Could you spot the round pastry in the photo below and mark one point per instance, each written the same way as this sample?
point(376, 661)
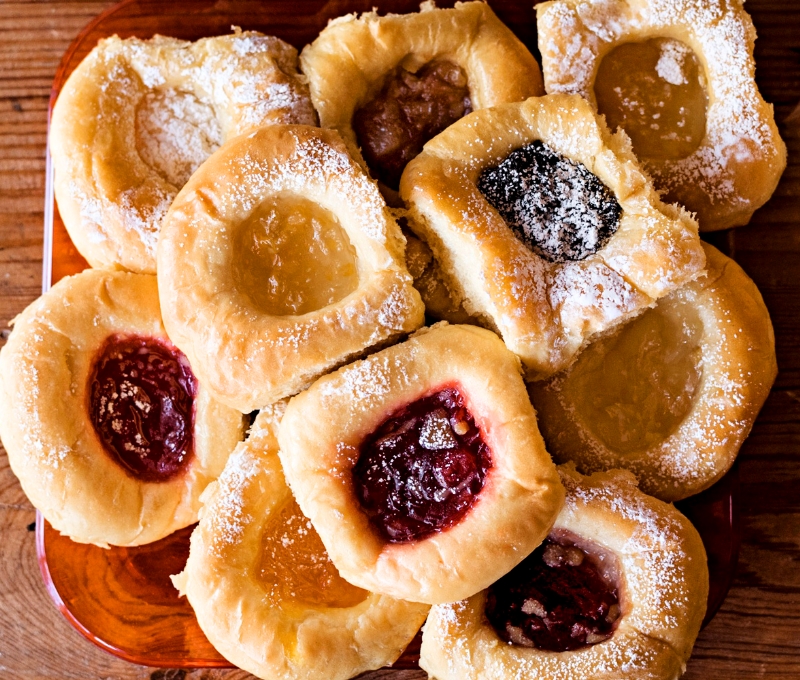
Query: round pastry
point(278, 261)
point(106, 427)
point(672, 395)
point(545, 227)
point(389, 83)
point(421, 467)
point(265, 592)
point(679, 77)
point(617, 592)
point(137, 117)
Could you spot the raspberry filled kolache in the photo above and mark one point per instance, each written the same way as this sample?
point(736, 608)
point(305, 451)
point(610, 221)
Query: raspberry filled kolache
point(389, 83)
point(422, 467)
point(673, 394)
point(279, 261)
point(617, 591)
point(545, 227)
point(110, 433)
point(137, 117)
point(679, 77)
point(263, 588)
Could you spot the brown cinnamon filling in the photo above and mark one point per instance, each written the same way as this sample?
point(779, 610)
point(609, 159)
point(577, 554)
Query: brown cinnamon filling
point(562, 597)
point(421, 471)
point(411, 109)
point(141, 404)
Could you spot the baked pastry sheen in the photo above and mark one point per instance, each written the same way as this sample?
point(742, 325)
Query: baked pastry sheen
point(673, 395)
point(323, 437)
point(49, 427)
point(265, 592)
point(663, 584)
point(137, 117)
point(241, 212)
point(546, 311)
point(739, 157)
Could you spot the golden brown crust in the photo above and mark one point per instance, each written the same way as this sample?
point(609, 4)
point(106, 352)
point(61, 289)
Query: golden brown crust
point(323, 431)
point(291, 640)
point(246, 357)
point(546, 312)
point(51, 442)
point(737, 368)
point(663, 596)
point(347, 64)
point(138, 116)
point(740, 160)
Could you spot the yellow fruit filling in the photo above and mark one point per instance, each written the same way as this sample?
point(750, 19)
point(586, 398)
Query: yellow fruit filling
point(655, 91)
point(293, 257)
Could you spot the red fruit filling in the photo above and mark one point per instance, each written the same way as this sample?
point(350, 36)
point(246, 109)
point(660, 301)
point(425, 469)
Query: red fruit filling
point(141, 397)
point(555, 600)
point(422, 469)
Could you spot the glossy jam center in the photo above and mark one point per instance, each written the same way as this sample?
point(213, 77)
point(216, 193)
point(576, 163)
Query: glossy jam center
point(557, 600)
point(294, 566)
point(423, 468)
point(634, 389)
point(411, 109)
point(554, 205)
point(293, 257)
point(175, 133)
point(141, 404)
point(654, 90)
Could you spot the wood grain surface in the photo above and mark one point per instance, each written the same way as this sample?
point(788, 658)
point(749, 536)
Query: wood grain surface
point(755, 633)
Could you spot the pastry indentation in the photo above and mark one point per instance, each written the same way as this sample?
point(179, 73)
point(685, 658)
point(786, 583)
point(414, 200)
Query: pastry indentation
point(410, 109)
point(422, 470)
point(655, 91)
point(293, 257)
point(294, 566)
point(633, 390)
point(141, 405)
point(559, 599)
point(554, 205)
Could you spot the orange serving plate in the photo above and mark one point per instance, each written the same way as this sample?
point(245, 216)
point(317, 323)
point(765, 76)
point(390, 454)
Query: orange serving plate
point(121, 598)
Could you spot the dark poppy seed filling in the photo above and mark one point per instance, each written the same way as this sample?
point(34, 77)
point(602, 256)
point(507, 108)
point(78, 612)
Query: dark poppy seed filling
point(555, 600)
point(410, 109)
point(141, 403)
point(555, 206)
point(422, 469)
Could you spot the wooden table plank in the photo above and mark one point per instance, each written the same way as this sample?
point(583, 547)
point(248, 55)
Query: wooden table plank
point(753, 636)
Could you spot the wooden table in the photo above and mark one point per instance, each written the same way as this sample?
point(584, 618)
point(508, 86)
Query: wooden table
point(755, 635)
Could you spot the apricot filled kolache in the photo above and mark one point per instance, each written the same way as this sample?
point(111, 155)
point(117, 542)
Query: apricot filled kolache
point(679, 77)
point(110, 433)
point(137, 117)
point(390, 83)
point(263, 588)
point(672, 395)
point(617, 591)
point(545, 227)
point(279, 261)
point(421, 467)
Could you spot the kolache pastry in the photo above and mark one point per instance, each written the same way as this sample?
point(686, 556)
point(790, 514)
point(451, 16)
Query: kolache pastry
point(617, 591)
point(672, 395)
point(678, 76)
point(137, 117)
point(279, 261)
point(263, 588)
point(544, 226)
point(421, 467)
point(106, 426)
point(389, 83)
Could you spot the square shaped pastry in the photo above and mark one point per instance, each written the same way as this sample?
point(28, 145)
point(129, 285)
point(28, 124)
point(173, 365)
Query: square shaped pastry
point(545, 226)
point(421, 467)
